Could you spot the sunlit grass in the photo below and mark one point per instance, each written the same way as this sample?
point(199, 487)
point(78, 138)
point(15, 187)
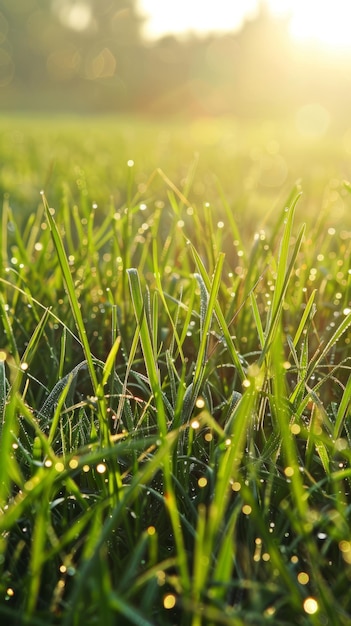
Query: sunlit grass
point(174, 385)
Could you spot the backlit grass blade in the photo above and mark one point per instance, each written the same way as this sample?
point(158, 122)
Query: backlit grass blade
point(220, 317)
point(343, 410)
point(33, 343)
point(71, 292)
point(147, 347)
point(110, 362)
point(281, 286)
point(283, 256)
point(7, 425)
point(257, 319)
point(208, 302)
point(308, 313)
point(3, 389)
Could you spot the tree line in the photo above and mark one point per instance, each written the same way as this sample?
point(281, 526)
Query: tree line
point(90, 56)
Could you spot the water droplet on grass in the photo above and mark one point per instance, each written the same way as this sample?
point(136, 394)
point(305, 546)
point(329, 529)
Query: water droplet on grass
point(303, 578)
point(169, 601)
point(310, 606)
point(71, 570)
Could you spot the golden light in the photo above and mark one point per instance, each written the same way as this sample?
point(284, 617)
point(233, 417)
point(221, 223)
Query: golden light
point(196, 16)
point(325, 23)
point(322, 23)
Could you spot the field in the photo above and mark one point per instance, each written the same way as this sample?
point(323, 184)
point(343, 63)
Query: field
point(174, 373)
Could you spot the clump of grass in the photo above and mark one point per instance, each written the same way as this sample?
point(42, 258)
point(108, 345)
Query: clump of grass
point(174, 408)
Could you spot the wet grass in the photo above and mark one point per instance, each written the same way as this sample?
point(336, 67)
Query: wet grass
point(174, 377)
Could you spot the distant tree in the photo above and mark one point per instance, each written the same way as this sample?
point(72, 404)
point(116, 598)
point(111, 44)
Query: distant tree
point(88, 48)
point(89, 54)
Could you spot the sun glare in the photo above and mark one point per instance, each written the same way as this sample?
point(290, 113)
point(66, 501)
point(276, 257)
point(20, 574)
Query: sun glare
point(194, 16)
point(312, 21)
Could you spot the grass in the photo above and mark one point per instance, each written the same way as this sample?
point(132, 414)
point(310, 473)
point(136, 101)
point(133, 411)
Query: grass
point(174, 378)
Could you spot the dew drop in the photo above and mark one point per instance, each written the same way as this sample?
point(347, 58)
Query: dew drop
point(169, 601)
point(322, 536)
point(310, 606)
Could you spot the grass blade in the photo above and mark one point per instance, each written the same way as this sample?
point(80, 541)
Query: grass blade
point(147, 348)
point(71, 292)
point(343, 410)
point(220, 317)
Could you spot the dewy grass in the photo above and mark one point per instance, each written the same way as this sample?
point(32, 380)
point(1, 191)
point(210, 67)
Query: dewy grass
point(174, 395)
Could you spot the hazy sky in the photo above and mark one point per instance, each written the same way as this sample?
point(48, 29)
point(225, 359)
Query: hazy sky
point(327, 22)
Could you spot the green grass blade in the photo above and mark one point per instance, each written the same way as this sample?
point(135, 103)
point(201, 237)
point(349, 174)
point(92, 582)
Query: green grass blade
point(283, 278)
point(257, 319)
point(110, 362)
point(208, 301)
point(343, 410)
point(71, 292)
point(163, 298)
point(307, 314)
point(3, 389)
point(147, 348)
point(220, 317)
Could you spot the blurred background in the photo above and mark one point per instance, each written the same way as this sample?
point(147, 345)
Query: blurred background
point(156, 58)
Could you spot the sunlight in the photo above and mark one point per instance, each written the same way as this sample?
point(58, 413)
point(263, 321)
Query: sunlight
point(310, 20)
point(194, 16)
point(316, 22)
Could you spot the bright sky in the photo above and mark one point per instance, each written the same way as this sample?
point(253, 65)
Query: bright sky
point(323, 22)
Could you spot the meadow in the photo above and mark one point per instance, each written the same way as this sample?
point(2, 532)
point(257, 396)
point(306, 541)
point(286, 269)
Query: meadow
point(174, 373)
